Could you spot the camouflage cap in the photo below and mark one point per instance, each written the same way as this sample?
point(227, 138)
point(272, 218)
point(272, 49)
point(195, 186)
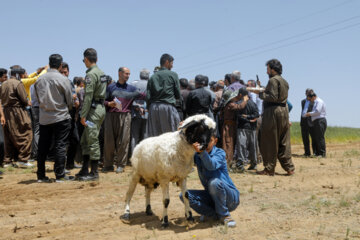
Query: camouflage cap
point(228, 95)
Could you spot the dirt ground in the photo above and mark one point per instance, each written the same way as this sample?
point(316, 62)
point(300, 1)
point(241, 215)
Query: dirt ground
point(321, 201)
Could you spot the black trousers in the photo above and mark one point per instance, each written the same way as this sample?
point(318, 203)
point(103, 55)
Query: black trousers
point(60, 132)
point(73, 141)
point(305, 134)
point(35, 127)
point(319, 130)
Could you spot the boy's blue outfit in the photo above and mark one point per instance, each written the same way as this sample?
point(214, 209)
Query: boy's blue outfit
point(220, 196)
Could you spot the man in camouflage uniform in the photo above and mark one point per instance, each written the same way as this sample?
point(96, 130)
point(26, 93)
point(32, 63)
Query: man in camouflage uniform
point(275, 128)
point(92, 115)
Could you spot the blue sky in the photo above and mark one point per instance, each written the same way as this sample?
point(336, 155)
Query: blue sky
point(316, 41)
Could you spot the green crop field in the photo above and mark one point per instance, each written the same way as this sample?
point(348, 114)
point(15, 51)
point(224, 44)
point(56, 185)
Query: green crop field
point(332, 135)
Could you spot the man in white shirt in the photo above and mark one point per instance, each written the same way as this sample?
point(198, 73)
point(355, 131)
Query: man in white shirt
point(318, 118)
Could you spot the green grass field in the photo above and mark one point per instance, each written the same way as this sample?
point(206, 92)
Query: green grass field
point(332, 135)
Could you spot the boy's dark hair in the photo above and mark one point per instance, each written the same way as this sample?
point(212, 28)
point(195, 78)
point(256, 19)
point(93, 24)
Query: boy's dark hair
point(166, 57)
point(55, 61)
point(65, 65)
point(184, 82)
point(2, 72)
point(91, 55)
point(275, 65)
point(243, 92)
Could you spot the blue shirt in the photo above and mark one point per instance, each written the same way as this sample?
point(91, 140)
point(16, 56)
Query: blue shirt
point(213, 165)
point(125, 93)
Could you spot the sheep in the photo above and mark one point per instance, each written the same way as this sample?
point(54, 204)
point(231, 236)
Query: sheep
point(167, 158)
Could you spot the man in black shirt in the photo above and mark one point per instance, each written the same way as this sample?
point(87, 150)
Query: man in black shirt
point(199, 100)
point(306, 123)
point(245, 148)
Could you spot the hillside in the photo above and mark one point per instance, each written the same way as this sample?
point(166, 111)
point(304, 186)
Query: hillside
point(332, 135)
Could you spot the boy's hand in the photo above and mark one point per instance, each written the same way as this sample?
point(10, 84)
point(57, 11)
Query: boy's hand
point(197, 147)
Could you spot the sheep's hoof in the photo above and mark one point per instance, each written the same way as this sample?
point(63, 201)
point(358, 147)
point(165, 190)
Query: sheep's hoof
point(149, 212)
point(125, 218)
point(165, 222)
point(190, 217)
point(165, 225)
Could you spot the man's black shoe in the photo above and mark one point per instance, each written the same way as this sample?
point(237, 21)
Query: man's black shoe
point(107, 169)
point(90, 177)
point(65, 179)
point(252, 167)
point(44, 180)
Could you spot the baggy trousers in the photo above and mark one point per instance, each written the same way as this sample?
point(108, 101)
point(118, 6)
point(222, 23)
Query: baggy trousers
point(275, 138)
point(245, 147)
point(18, 134)
point(229, 139)
point(117, 138)
point(2, 150)
point(59, 132)
point(162, 118)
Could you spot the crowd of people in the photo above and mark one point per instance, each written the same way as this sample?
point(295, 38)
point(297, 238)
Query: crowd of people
point(95, 121)
point(45, 116)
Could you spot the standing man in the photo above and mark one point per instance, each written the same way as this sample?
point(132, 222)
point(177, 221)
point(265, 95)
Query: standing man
point(53, 92)
point(246, 139)
point(199, 100)
point(235, 81)
point(17, 130)
point(139, 111)
point(162, 91)
point(259, 103)
point(275, 128)
point(118, 121)
point(3, 78)
point(229, 126)
point(184, 92)
point(92, 115)
point(318, 119)
point(305, 123)
point(73, 136)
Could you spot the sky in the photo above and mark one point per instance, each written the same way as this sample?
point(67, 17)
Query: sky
point(317, 42)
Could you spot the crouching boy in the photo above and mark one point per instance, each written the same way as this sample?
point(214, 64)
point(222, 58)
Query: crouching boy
point(220, 196)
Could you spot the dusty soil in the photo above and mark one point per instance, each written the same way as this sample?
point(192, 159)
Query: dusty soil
point(321, 201)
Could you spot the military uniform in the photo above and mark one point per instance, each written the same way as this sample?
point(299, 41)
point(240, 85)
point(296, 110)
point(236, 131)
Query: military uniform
point(275, 128)
point(93, 110)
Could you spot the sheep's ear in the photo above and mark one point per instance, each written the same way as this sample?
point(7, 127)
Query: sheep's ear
point(189, 124)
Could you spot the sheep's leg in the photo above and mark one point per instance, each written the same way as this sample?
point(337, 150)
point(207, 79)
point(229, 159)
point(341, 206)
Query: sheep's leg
point(126, 216)
point(166, 201)
point(147, 205)
point(188, 213)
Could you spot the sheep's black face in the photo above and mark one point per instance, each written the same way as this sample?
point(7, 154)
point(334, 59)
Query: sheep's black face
point(198, 132)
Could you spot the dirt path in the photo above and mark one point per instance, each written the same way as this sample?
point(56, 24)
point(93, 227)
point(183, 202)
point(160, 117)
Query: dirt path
point(321, 201)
